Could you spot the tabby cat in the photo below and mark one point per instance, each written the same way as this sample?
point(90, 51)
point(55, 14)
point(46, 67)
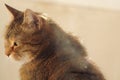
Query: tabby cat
point(47, 51)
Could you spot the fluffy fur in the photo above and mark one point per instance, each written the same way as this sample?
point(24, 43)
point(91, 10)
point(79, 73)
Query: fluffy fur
point(49, 53)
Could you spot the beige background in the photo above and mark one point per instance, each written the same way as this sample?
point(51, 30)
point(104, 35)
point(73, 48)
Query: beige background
point(98, 29)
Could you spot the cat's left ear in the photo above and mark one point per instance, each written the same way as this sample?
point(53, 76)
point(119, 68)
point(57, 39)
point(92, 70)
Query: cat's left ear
point(16, 13)
point(32, 19)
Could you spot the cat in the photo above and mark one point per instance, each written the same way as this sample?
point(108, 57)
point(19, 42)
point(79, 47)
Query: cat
point(48, 52)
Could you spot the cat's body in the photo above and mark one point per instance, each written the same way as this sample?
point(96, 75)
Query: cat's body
point(50, 53)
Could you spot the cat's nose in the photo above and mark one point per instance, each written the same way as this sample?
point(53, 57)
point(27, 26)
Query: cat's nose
point(7, 54)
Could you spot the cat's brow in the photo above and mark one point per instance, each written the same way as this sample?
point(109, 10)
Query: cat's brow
point(13, 28)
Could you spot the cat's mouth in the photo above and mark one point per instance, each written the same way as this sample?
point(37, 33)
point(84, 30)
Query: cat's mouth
point(14, 55)
point(9, 53)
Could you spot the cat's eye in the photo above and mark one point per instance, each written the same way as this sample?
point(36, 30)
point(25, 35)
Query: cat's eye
point(15, 44)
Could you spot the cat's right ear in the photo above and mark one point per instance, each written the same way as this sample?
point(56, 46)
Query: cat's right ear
point(16, 13)
point(32, 20)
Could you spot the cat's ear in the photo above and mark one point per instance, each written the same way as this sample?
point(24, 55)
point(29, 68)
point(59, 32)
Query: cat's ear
point(32, 19)
point(16, 13)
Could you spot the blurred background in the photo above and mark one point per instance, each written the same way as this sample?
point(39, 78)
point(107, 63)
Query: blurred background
point(95, 22)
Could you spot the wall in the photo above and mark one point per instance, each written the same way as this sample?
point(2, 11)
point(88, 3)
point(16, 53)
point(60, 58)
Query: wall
point(97, 29)
point(108, 4)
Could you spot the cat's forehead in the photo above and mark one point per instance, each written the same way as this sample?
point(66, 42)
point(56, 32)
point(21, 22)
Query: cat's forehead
point(12, 29)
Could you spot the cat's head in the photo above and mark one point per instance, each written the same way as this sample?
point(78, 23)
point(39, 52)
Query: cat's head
point(24, 34)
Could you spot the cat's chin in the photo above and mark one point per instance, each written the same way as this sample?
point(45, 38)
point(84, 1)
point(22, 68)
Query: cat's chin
point(19, 59)
point(15, 57)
